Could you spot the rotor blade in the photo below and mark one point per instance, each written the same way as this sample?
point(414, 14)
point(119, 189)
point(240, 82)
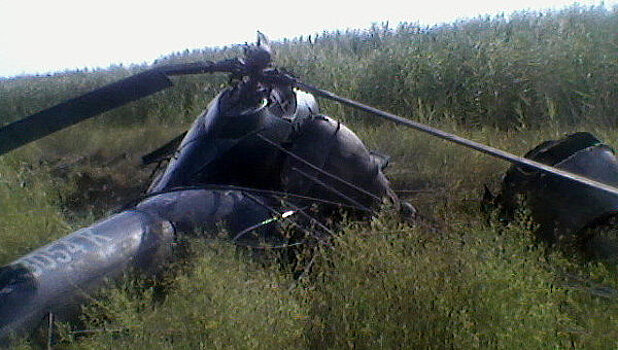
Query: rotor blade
point(102, 100)
point(81, 108)
point(227, 66)
point(521, 161)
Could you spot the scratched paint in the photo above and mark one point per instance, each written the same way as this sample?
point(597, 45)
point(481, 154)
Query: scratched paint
point(63, 252)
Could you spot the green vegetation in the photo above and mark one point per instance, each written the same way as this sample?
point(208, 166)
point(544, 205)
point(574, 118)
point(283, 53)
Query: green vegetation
point(464, 282)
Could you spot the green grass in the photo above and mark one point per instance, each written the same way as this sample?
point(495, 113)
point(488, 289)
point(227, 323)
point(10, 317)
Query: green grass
point(29, 217)
point(466, 283)
point(223, 301)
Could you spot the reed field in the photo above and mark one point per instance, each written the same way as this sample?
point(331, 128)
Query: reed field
point(457, 279)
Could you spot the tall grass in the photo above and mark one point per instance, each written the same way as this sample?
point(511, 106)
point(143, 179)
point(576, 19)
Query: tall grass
point(28, 203)
point(526, 69)
point(224, 301)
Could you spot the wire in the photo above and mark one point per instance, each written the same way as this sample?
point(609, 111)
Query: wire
point(274, 193)
point(331, 188)
point(322, 171)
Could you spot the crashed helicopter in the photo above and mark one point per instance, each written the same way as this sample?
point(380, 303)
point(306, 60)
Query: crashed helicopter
point(260, 156)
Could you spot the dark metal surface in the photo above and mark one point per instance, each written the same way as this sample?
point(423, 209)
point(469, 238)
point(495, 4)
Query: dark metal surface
point(211, 212)
point(221, 147)
point(276, 144)
point(58, 277)
point(327, 160)
point(561, 207)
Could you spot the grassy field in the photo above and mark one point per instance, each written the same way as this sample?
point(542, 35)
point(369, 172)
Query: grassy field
point(464, 282)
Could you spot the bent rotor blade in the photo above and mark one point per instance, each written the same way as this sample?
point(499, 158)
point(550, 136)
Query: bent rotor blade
point(520, 161)
point(81, 108)
point(102, 100)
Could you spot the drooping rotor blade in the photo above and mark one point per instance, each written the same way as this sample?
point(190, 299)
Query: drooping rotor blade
point(520, 161)
point(232, 65)
point(101, 100)
point(81, 108)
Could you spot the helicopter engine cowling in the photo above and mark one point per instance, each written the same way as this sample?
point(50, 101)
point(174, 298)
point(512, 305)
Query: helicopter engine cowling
point(327, 160)
point(280, 143)
point(221, 147)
